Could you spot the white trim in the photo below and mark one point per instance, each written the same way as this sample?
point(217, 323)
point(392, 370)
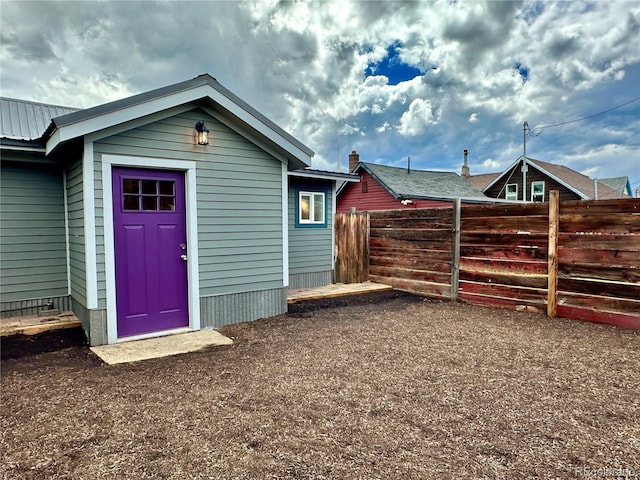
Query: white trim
point(89, 200)
point(506, 191)
point(150, 107)
point(345, 177)
point(285, 226)
point(65, 198)
point(153, 335)
point(543, 189)
point(187, 166)
point(312, 212)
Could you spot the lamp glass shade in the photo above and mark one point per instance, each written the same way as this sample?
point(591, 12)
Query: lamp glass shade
point(202, 134)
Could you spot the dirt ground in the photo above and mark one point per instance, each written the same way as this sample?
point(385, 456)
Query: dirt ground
point(378, 386)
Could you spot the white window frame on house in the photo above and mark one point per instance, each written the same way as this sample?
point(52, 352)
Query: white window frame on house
point(312, 220)
point(511, 195)
point(535, 194)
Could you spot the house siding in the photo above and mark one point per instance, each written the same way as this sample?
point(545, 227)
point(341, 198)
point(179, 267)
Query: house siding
point(75, 214)
point(310, 249)
point(533, 175)
point(33, 245)
point(239, 202)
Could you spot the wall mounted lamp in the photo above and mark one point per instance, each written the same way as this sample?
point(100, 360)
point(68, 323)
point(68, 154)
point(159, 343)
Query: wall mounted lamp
point(202, 133)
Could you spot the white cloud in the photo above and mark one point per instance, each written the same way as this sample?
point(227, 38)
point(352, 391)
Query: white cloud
point(417, 118)
point(302, 64)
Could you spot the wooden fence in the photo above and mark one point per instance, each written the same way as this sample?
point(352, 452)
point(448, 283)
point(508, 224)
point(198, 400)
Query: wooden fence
point(575, 259)
point(352, 248)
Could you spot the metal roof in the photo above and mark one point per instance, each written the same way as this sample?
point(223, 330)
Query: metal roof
point(25, 120)
point(421, 183)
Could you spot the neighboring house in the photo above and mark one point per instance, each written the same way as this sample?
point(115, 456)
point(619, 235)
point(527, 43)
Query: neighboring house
point(539, 178)
point(126, 214)
point(385, 188)
point(619, 184)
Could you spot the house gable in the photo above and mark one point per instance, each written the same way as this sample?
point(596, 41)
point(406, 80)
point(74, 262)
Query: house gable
point(203, 90)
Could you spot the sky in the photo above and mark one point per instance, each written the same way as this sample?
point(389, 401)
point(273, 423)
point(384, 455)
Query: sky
point(389, 79)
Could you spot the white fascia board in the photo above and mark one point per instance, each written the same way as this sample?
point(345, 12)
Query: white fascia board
point(101, 122)
point(560, 181)
point(322, 176)
point(259, 126)
point(504, 172)
point(133, 112)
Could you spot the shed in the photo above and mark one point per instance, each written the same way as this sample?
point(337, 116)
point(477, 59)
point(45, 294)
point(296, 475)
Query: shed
point(122, 214)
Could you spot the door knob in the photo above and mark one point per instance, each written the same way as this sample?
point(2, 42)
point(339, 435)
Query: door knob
point(183, 257)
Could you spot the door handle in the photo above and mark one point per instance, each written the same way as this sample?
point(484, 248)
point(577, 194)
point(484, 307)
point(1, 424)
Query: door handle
point(183, 257)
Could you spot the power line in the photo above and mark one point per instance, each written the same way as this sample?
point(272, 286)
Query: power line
point(542, 128)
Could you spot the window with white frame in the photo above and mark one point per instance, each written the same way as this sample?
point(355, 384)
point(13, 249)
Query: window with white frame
point(311, 208)
point(537, 191)
point(511, 193)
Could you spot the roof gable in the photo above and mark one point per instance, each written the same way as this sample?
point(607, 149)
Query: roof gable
point(63, 124)
point(580, 184)
point(420, 183)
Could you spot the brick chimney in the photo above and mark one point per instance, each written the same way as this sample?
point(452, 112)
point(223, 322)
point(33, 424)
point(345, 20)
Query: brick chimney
point(354, 159)
point(465, 167)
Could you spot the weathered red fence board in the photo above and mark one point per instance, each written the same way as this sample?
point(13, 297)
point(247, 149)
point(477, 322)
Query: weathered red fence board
point(501, 256)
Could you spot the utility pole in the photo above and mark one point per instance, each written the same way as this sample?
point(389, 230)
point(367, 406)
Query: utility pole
point(525, 168)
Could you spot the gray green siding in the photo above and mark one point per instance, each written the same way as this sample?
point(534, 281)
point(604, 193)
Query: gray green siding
point(75, 212)
point(33, 245)
point(239, 197)
point(310, 249)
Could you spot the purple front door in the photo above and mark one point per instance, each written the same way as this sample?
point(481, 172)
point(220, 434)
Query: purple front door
point(150, 250)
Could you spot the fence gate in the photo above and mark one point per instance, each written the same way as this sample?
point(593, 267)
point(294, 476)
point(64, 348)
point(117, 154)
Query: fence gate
point(352, 247)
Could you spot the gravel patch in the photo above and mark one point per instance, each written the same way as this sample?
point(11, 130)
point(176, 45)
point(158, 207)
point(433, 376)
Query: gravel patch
point(386, 385)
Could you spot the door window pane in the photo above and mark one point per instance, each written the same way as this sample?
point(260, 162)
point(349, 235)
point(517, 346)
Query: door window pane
point(149, 195)
point(149, 187)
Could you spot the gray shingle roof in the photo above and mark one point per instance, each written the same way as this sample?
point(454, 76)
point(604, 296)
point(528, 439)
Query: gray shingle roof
point(619, 184)
point(25, 120)
point(421, 183)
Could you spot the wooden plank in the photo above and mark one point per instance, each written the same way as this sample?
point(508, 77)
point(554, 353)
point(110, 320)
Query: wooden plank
point(538, 240)
point(413, 286)
point(603, 241)
point(504, 291)
point(513, 279)
point(411, 234)
point(503, 252)
point(601, 223)
point(519, 209)
point(588, 256)
point(600, 303)
point(415, 262)
point(552, 272)
point(444, 213)
point(400, 223)
point(608, 206)
point(592, 286)
point(352, 248)
point(586, 314)
point(506, 265)
point(432, 244)
point(455, 250)
point(600, 272)
point(406, 273)
point(426, 255)
point(513, 224)
point(500, 302)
